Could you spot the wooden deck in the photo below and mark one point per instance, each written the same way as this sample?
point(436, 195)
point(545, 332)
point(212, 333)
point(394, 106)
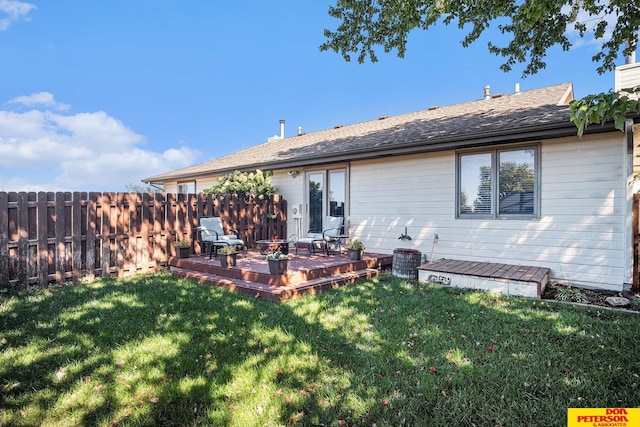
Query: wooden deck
point(306, 274)
point(509, 279)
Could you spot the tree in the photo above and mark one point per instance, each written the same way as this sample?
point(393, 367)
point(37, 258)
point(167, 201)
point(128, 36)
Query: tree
point(533, 25)
point(139, 188)
point(603, 107)
point(258, 184)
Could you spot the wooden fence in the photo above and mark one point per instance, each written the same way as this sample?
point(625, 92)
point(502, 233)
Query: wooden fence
point(57, 237)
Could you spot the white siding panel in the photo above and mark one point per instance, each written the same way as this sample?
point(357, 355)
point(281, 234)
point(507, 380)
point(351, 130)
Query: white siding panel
point(205, 183)
point(292, 190)
point(170, 187)
point(580, 234)
point(627, 76)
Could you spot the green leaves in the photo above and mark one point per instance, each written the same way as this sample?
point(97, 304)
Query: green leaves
point(604, 107)
point(534, 26)
point(258, 183)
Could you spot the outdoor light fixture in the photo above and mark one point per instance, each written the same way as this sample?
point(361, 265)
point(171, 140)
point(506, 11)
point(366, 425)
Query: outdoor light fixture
point(293, 173)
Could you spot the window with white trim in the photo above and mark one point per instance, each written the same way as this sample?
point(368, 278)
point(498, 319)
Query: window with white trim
point(498, 183)
point(187, 187)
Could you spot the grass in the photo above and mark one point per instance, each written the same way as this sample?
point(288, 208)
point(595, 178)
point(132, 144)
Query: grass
point(155, 350)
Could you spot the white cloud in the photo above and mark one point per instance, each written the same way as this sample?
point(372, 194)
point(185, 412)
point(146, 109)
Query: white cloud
point(44, 99)
point(591, 22)
point(14, 11)
point(51, 151)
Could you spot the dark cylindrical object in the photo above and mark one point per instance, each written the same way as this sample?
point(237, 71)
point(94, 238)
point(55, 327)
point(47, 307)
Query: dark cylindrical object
point(406, 263)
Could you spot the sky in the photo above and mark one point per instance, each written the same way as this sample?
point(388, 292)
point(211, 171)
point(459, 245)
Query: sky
point(97, 96)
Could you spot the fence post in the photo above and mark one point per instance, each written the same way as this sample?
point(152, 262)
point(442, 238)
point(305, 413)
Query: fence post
point(59, 237)
point(42, 245)
point(4, 239)
point(105, 217)
point(92, 226)
point(161, 207)
point(23, 239)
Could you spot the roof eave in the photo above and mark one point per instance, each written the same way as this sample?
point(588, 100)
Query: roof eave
point(548, 131)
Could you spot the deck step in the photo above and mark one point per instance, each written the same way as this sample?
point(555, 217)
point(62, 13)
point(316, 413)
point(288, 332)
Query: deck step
point(277, 292)
point(509, 279)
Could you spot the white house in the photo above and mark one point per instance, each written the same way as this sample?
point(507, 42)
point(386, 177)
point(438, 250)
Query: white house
point(501, 179)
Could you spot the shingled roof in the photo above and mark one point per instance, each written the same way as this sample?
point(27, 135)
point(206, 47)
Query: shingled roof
point(523, 116)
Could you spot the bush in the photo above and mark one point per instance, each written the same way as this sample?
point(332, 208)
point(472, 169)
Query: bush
point(570, 294)
point(242, 183)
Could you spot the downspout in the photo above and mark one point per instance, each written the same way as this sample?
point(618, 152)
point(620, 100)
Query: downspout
point(633, 216)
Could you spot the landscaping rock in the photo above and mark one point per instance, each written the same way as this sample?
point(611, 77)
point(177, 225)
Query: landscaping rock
point(617, 301)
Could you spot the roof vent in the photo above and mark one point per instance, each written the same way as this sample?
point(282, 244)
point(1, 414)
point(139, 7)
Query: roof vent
point(383, 117)
point(338, 126)
point(497, 95)
point(281, 136)
point(300, 131)
point(433, 107)
point(487, 92)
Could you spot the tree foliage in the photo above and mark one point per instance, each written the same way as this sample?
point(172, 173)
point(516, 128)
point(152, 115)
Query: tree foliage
point(516, 178)
point(258, 184)
point(140, 188)
point(531, 26)
point(603, 107)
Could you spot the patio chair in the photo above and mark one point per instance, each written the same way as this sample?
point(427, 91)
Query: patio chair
point(212, 232)
point(331, 232)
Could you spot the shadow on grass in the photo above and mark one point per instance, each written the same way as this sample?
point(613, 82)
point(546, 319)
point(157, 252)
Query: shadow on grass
point(152, 350)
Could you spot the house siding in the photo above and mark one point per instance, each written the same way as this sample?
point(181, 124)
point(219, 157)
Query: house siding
point(201, 184)
point(627, 76)
point(292, 189)
point(580, 235)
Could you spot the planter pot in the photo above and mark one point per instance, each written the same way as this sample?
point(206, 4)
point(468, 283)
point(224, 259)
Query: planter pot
point(355, 254)
point(183, 251)
point(278, 266)
point(228, 260)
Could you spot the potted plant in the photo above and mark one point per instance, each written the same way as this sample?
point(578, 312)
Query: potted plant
point(278, 262)
point(355, 248)
point(183, 248)
point(228, 255)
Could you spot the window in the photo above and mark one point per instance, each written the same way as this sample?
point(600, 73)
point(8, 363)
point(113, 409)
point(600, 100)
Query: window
point(326, 196)
point(498, 183)
point(186, 187)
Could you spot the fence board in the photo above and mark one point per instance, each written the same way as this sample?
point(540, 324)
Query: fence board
point(59, 233)
point(42, 243)
point(121, 230)
point(4, 240)
point(76, 236)
point(90, 241)
point(47, 236)
point(22, 216)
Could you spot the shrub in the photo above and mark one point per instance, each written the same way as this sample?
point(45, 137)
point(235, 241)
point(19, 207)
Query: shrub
point(258, 184)
point(570, 294)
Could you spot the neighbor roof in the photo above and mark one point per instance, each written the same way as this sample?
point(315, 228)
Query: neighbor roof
point(539, 113)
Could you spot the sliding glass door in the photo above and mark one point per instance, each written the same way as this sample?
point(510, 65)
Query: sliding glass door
point(326, 196)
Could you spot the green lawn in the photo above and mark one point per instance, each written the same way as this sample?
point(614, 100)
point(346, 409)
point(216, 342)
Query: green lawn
point(156, 350)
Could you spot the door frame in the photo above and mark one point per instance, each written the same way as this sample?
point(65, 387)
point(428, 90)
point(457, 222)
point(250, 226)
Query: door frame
point(326, 173)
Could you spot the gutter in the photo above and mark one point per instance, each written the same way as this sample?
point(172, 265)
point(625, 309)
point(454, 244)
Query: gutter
point(549, 131)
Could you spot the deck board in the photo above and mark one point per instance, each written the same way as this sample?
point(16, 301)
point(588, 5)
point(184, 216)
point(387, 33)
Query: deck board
point(512, 279)
point(488, 269)
point(305, 275)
